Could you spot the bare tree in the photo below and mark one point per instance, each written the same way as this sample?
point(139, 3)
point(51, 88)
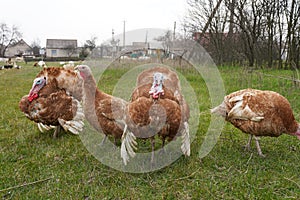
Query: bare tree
point(249, 20)
point(91, 43)
point(293, 35)
point(36, 46)
point(279, 30)
point(88, 47)
point(209, 20)
point(259, 32)
point(8, 36)
point(166, 40)
point(70, 50)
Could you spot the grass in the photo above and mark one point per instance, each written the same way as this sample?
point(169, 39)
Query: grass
point(39, 167)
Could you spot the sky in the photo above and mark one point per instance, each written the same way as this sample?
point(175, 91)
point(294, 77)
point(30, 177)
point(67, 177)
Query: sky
point(70, 19)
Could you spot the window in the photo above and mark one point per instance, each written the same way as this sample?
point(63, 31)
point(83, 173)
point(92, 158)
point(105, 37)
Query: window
point(54, 52)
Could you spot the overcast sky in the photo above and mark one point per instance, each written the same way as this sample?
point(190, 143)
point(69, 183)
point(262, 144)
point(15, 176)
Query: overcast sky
point(71, 19)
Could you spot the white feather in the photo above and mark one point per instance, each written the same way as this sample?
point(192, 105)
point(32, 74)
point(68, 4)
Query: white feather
point(238, 112)
point(185, 146)
point(42, 127)
point(128, 145)
point(75, 125)
point(219, 110)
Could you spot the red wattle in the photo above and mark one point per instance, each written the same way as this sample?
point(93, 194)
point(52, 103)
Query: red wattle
point(32, 97)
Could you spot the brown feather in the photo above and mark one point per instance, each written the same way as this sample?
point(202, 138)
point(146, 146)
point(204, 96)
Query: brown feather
point(103, 110)
point(52, 103)
point(171, 106)
point(276, 111)
point(143, 91)
point(148, 118)
point(66, 78)
point(171, 80)
point(56, 103)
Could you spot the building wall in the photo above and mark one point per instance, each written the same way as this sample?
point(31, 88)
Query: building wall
point(55, 53)
point(20, 48)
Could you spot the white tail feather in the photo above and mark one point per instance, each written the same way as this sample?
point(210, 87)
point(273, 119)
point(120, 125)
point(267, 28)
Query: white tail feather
point(128, 145)
point(75, 125)
point(42, 127)
point(219, 110)
point(185, 146)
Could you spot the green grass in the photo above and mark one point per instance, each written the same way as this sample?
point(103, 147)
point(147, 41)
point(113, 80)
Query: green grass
point(65, 169)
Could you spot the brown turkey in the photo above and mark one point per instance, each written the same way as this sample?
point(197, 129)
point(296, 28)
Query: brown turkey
point(258, 113)
point(106, 113)
point(157, 107)
point(50, 102)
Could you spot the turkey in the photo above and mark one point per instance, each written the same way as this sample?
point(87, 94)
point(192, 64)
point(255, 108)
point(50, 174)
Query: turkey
point(106, 113)
point(158, 107)
point(171, 88)
point(50, 102)
point(66, 79)
point(258, 113)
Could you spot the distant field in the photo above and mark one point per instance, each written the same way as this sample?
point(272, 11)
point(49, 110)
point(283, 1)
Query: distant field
point(37, 166)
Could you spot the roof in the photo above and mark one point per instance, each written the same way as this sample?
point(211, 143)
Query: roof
point(20, 42)
point(61, 43)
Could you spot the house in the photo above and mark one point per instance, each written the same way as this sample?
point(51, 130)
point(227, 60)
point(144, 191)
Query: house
point(57, 48)
point(20, 48)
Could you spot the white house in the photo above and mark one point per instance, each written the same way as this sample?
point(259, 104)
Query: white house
point(21, 48)
point(61, 48)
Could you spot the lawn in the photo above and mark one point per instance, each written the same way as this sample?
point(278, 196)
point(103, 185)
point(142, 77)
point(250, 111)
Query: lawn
point(36, 166)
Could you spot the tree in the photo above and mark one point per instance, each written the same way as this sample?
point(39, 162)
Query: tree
point(70, 50)
point(8, 36)
point(260, 31)
point(91, 43)
point(293, 20)
point(166, 40)
point(249, 19)
point(208, 20)
point(36, 46)
point(88, 47)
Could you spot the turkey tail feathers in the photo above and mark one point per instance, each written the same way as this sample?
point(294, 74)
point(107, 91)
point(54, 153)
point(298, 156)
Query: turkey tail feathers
point(42, 127)
point(185, 146)
point(128, 145)
point(219, 110)
point(75, 125)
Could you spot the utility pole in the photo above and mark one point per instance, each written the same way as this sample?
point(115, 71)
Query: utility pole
point(174, 31)
point(113, 43)
point(124, 34)
point(146, 40)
